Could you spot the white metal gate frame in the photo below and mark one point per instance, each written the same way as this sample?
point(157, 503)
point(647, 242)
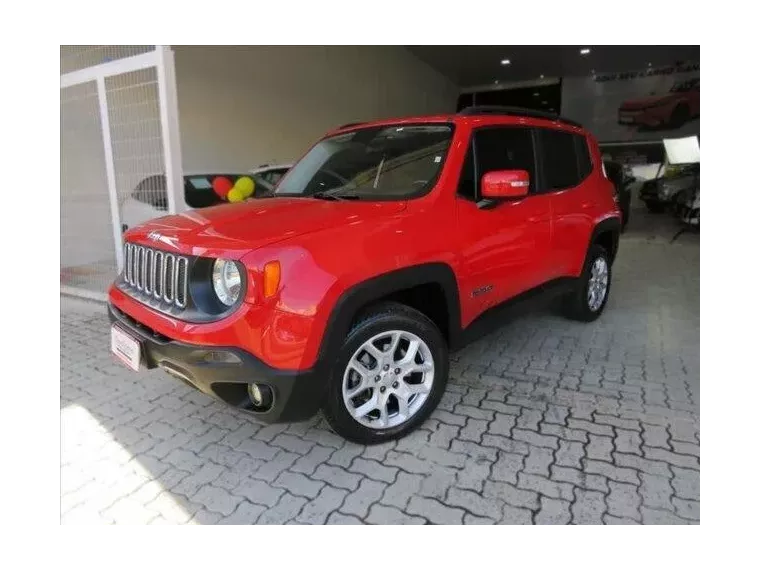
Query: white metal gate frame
point(162, 58)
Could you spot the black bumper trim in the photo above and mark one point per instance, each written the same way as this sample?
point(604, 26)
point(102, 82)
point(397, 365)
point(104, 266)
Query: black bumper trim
point(297, 393)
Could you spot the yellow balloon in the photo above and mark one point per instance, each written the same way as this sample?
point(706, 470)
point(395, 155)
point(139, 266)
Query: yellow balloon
point(235, 195)
point(245, 185)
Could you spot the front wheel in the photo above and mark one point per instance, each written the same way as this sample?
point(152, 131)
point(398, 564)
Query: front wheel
point(588, 300)
point(389, 375)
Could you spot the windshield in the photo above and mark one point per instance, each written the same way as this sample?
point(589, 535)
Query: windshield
point(388, 162)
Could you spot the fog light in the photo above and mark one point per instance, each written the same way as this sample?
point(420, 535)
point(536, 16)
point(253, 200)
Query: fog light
point(261, 396)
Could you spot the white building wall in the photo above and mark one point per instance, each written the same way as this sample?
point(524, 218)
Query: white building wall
point(243, 106)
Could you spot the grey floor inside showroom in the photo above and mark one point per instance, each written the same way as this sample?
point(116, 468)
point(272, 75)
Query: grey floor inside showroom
point(544, 421)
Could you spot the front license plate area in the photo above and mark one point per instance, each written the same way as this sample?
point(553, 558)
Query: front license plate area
point(125, 348)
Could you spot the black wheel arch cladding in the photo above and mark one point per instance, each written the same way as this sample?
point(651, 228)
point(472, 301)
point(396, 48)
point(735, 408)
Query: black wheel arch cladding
point(607, 234)
point(359, 296)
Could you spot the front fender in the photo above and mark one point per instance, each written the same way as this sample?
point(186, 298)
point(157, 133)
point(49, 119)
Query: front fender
point(362, 294)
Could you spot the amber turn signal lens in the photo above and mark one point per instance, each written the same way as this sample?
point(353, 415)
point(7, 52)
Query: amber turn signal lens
point(271, 278)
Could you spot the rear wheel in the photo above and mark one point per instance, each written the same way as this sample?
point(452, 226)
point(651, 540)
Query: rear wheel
point(588, 300)
point(389, 376)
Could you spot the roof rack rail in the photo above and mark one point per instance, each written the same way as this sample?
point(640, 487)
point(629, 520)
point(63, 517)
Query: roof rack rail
point(349, 125)
point(515, 111)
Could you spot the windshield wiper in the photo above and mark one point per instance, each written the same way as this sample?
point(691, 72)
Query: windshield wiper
point(329, 196)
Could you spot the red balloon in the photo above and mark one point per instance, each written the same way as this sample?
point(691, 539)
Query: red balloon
point(221, 186)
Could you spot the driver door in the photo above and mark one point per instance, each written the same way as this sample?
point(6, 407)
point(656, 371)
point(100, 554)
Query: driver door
point(504, 248)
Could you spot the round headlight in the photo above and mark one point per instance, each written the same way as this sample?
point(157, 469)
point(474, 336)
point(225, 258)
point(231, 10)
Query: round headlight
point(227, 281)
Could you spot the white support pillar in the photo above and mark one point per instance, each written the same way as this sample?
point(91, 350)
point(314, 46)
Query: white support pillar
point(167, 98)
point(105, 128)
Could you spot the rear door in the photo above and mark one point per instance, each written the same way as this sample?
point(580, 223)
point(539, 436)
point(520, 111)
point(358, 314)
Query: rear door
point(566, 168)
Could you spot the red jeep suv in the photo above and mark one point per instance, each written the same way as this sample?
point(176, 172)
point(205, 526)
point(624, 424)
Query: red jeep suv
point(346, 291)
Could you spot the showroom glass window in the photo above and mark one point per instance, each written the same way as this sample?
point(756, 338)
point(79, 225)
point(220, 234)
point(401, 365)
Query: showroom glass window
point(566, 159)
point(496, 148)
point(390, 162)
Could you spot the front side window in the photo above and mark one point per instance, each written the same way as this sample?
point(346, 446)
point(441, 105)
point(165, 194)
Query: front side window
point(390, 162)
point(504, 148)
point(496, 148)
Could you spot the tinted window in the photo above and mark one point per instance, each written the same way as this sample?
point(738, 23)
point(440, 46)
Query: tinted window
point(560, 165)
point(504, 148)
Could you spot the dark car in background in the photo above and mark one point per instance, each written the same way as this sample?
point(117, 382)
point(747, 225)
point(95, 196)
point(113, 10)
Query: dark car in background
point(672, 190)
point(621, 177)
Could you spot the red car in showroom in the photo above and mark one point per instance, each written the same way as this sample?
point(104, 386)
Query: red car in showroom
point(672, 110)
point(346, 291)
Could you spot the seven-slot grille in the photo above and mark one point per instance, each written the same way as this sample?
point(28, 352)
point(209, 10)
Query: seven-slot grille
point(157, 273)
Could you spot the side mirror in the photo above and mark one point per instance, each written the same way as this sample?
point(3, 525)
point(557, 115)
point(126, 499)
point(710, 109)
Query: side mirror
point(504, 184)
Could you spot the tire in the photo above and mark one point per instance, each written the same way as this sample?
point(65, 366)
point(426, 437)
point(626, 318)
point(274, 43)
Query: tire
point(381, 323)
point(655, 207)
point(578, 303)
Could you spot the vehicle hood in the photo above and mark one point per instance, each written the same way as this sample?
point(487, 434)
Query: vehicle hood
point(232, 230)
point(643, 103)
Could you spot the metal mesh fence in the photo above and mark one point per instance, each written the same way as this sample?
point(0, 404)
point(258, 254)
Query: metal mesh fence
point(88, 252)
point(74, 58)
point(134, 115)
point(87, 244)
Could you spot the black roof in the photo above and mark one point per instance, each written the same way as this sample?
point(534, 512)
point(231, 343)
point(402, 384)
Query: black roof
point(515, 111)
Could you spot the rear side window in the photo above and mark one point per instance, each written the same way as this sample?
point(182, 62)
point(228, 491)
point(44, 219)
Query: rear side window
point(560, 163)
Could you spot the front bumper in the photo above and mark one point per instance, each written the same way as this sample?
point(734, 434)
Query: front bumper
point(224, 373)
